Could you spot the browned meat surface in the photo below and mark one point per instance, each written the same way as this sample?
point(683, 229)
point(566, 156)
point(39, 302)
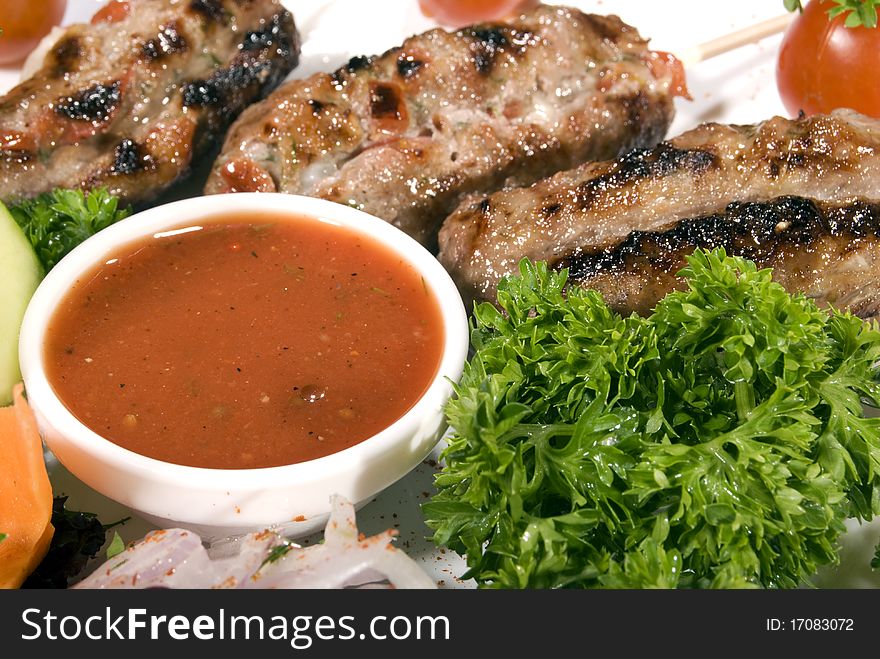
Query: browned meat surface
point(406, 134)
point(830, 158)
point(130, 100)
point(830, 252)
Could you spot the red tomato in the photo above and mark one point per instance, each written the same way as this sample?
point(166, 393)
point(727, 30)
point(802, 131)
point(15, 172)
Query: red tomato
point(24, 23)
point(464, 12)
point(824, 65)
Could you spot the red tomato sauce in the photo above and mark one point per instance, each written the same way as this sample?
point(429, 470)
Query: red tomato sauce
point(245, 345)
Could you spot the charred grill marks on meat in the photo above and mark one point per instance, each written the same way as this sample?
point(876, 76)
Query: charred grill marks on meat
point(829, 251)
point(223, 83)
point(168, 42)
point(660, 161)
point(95, 104)
point(576, 214)
point(386, 102)
point(408, 66)
point(357, 63)
point(131, 103)
point(127, 158)
point(64, 57)
point(641, 164)
point(275, 33)
point(405, 135)
point(225, 87)
point(213, 10)
point(487, 43)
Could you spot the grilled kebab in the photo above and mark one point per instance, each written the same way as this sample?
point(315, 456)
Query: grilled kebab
point(405, 135)
point(827, 251)
point(624, 225)
point(130, 100)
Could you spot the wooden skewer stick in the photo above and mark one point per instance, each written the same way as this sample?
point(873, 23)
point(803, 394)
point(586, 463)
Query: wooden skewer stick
point(736, 39)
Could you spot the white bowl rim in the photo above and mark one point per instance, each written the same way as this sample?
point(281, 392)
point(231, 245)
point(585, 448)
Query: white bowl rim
point(213, 208)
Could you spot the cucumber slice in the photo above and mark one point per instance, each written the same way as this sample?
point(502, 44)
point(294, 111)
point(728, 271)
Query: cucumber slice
point(20, 272)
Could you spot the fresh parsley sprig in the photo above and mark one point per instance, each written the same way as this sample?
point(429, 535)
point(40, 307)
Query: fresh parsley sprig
point(78, 538)
point(719, 442)
point(58, 221)
point(858, 12)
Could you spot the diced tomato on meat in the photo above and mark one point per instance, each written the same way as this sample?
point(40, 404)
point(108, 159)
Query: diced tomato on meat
point(664, 64)
point(15, 141)
point(113, 12)
point(243, 175)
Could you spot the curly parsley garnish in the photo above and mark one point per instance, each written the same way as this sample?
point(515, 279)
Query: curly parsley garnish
point(78, 538)
point(719, 442)
point(58, 221)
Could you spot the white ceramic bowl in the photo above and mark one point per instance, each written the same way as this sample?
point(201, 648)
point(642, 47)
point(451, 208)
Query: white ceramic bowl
point(219, 502)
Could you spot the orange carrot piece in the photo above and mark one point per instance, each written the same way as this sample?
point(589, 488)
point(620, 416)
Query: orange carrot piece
point(25, 493)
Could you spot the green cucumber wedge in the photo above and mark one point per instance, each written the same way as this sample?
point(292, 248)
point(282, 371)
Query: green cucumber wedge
point(20, 272)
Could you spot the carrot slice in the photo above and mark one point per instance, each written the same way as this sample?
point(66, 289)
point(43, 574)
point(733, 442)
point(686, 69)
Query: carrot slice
point(25, 493)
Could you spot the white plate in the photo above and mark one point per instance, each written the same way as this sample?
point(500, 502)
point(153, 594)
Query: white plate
point(737, 87)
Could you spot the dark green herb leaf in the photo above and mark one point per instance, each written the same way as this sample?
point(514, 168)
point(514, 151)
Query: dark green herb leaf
point(58, 221)
point(720, 442)
point(276, 553)
point(78, 537)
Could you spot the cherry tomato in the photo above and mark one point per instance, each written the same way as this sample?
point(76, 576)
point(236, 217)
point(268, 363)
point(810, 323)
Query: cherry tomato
point(463, 12)
point(824, 65)
point(24, 23)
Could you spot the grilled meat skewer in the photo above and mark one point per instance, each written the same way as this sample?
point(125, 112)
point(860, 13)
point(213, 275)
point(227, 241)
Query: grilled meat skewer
point(830, 252)
point(407, 134)
point(131, 99)
point(597, 206)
